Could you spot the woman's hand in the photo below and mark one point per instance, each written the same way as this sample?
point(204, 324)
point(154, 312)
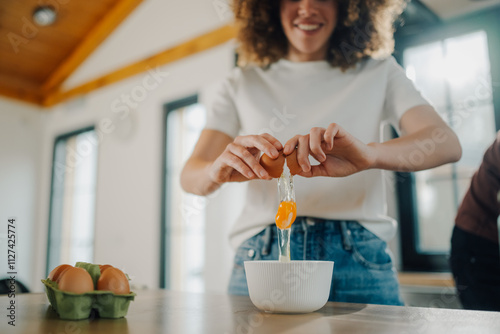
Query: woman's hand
point(218, 158)
point(338, 152)
point(426, 141)
point(240, 159)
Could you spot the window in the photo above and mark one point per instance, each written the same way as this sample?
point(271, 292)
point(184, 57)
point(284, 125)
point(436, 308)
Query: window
point(454, 74)
point(72, 204)
point(182, 243)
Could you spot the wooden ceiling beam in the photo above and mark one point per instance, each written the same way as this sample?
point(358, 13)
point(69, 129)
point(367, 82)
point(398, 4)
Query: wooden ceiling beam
point(198, 44)
point(21, 95)
point(20, 88)
point(90, 42)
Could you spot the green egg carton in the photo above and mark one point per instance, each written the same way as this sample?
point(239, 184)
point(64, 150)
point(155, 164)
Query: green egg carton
point(77, 306)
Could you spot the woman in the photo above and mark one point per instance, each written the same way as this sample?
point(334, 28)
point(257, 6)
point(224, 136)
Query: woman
point(311, 82)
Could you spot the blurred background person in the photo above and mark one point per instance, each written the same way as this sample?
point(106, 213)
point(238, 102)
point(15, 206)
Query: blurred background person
point(475, 252)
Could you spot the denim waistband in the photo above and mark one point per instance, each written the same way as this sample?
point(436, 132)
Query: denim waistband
point(319, 224)
point(311, 225)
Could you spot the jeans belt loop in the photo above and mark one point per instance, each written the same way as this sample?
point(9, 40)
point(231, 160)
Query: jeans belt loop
point(346, 236)
point(268, 240)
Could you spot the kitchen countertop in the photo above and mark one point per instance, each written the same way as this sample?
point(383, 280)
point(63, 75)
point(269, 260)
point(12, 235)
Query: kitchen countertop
point(426, 279)
point(163, 311)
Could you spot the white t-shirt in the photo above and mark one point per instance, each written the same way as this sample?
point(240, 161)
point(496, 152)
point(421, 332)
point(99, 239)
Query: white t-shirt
point(290, 98)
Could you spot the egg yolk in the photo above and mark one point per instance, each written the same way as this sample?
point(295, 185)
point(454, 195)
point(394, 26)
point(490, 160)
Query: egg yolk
point(287, 212)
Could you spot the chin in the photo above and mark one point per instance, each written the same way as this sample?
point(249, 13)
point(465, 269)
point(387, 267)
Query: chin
point(309, 46)
point(311, 53)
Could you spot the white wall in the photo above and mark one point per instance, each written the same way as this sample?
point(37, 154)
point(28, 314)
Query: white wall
point(20, 133)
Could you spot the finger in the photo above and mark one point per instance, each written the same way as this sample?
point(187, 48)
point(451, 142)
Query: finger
point(291, 144)
point(317, 170)
point(273, 141)
point(226, 173)
point(315, 140)
point(259, 142)
point(329, 135)
point(247, 159)
point(238, 177)
point(238, 165)
point(303, 153)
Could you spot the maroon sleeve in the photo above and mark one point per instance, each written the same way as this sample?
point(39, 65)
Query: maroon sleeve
point(480, 207)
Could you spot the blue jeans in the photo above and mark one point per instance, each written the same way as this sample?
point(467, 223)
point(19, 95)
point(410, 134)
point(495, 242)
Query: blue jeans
point(363, 271)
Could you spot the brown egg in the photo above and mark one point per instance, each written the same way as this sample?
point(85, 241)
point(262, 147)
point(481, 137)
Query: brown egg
point(273, 166)
point(292, 163)
point(114, 280)
point(103, 267)
point(76, 280)
point(56, 273)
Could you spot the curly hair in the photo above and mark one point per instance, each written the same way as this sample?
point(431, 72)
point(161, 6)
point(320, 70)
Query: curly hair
point(364, 29)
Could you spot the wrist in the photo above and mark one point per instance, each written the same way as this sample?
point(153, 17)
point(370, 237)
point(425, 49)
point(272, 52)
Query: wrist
point(212, 184)
point(373, 155)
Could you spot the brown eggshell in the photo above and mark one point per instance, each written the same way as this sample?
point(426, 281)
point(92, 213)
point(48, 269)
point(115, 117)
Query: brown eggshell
point(103, 267)
point(292, 163)
point(76, 280)
point(273, 166)
point(56, 273)
point(114, 280)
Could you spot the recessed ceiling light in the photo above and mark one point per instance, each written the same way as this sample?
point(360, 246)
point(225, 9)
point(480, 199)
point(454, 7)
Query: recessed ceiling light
point(44, 15)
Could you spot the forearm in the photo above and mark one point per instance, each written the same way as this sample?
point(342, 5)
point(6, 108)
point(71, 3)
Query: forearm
point(195, 178)
point(427, 148)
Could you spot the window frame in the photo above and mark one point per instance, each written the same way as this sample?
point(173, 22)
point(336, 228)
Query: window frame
point(57, 139)
point(165, 207)
point(411, 258)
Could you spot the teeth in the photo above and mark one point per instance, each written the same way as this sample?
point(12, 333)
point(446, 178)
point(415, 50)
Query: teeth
point(308, 27)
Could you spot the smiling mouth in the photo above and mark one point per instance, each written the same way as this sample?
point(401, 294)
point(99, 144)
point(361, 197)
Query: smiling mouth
point(309, 27)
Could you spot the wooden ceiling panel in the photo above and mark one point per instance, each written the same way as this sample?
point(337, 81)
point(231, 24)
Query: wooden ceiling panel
point(29, 67)
point(18, 88)
point(32, 53)
point(47, 46)
point(27, 63)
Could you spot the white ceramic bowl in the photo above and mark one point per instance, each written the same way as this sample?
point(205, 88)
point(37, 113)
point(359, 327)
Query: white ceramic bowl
point(289, 287)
